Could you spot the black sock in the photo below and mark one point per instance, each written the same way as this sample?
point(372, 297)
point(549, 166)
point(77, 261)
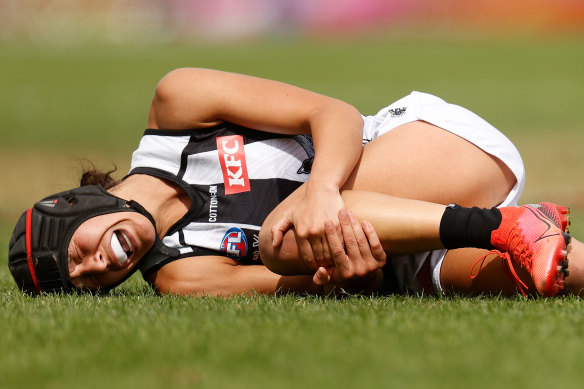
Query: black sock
point(468, 227)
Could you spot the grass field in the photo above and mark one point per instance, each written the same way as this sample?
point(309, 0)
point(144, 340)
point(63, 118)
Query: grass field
point(61, 105)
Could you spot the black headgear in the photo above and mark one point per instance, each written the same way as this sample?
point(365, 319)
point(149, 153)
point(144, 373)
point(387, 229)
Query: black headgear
point(38, 250)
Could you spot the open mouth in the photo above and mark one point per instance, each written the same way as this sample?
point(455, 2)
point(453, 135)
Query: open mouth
point(121, 246)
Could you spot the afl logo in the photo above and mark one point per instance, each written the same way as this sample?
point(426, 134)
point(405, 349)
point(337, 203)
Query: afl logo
point(234, 243)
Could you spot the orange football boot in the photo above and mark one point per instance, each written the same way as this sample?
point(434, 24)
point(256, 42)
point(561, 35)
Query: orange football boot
point(536, 237)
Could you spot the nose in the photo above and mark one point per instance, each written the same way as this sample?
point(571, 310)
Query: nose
point(95, 263)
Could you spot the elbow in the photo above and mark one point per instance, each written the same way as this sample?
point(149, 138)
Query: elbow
point(336, 111)
point(170, 107)
point(171, 84)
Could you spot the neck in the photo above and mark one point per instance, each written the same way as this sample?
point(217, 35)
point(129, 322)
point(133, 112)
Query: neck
point(165, 201)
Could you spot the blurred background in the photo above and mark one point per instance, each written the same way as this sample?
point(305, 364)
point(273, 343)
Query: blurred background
point(76, 22)
point(76, 80)
point(76, 76)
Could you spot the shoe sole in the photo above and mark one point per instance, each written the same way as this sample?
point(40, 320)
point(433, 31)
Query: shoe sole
point(557, 280)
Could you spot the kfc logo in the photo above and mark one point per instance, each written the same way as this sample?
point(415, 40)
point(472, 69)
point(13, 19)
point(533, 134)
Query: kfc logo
point(234, 243)
point(233, 165)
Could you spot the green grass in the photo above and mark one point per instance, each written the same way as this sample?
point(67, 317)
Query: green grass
point(94, 100)
point(135, 339)
point(100, 95)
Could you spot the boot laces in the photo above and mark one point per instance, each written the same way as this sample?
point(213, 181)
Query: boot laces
point(519, 249)
point(507, 268)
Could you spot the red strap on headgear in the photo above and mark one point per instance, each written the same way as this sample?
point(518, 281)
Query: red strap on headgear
point(29, 250)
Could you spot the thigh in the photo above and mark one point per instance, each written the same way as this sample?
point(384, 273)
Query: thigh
point(421, 161)
point(416, 161)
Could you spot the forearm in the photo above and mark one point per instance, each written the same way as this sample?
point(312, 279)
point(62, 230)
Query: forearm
point(219, 276)
point(337, 131)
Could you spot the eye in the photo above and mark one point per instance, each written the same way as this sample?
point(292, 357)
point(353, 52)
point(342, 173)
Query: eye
point(78, 254)
point(74, 256)
point(75, 253)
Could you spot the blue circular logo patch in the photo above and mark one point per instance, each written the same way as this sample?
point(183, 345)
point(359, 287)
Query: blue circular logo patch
point(234, 243)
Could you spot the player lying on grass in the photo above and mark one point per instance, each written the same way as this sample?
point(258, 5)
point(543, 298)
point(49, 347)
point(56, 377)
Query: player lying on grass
point(226, 153)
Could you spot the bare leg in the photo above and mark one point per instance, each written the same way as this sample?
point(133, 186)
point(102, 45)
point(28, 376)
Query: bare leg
point(440, 168)
point(575, 281)
point(424, 162)
point(403, 226)
point(492, 279)
point(415, 161)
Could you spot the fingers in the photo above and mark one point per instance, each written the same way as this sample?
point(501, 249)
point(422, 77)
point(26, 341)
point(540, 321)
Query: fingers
point(363, 243)
point(364, 252)
point(279, 229)
point(355, 240)
point(357, 254)
point(356, 244)
point(314, 248)
point(305, 249)
point(375, 244)
point(321, 249)
point(336, 247)
point(311, 249)
point(317, 249)
point(321, 277)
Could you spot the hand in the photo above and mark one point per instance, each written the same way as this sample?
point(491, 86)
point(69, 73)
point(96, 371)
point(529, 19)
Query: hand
point(357, 265)
point(308, 219)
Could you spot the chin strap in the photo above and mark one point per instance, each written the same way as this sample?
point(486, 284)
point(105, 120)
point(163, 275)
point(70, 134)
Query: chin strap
point(158, 254)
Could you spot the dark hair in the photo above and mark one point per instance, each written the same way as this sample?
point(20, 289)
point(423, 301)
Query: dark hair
point(92, 176)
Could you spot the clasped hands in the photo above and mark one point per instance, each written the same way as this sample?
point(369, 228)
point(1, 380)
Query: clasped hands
point(357, 257)
point(347, 255)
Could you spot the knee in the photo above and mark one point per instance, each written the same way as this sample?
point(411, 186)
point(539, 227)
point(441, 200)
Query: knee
point(490, 188)
point(283, 259)
point(270, 255)
point(266, 247)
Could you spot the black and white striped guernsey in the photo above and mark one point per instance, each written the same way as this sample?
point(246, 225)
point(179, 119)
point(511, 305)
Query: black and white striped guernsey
point(234, 176)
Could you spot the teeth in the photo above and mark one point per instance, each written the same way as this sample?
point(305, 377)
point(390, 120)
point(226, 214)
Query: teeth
point(130, 247)
point(118, 250)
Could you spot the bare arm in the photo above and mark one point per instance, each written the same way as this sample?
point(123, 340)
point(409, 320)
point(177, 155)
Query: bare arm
point(190, 98)
point(198, 98)
point(221, 276)
point(357, 268)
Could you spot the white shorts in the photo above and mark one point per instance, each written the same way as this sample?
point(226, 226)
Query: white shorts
point(420, 272)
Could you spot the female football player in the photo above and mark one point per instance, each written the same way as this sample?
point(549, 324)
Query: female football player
point(226, 153)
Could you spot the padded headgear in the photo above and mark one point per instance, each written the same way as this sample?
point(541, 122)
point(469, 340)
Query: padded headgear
point(38, 249)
